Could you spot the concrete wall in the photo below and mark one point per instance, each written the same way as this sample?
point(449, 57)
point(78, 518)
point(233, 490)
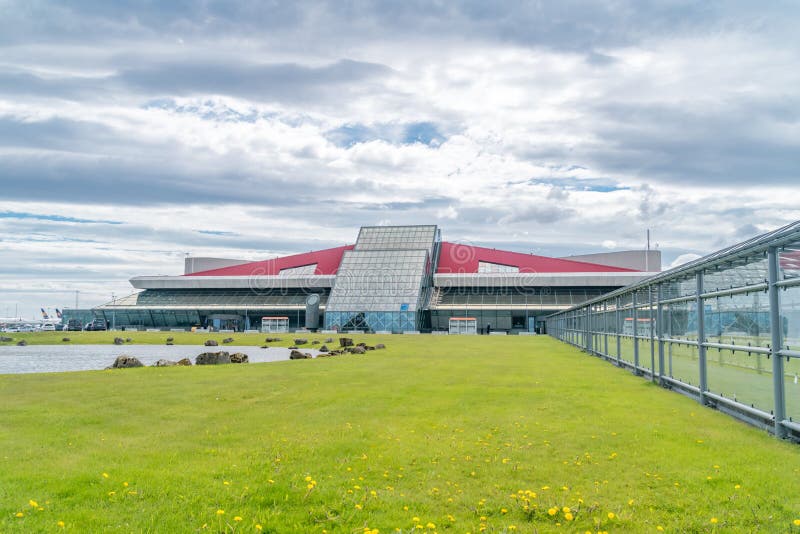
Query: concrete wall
point(627, 259)
point(195, 265)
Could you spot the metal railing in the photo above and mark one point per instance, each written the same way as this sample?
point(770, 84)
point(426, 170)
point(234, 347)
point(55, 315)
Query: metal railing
point(723, 329)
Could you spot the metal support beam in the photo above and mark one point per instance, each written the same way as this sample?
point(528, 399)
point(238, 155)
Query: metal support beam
point(587, 336)
point(605, 328)
point(652, 333)
point(660, 329)
point(776, 327)
point(701, 338)
point(635, 335)
point(619, 331)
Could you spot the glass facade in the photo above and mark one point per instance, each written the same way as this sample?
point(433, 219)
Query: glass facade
point(383, 283)
point(724, 329)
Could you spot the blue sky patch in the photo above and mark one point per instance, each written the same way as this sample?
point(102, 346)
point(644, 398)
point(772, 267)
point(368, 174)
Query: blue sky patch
point(53, 218)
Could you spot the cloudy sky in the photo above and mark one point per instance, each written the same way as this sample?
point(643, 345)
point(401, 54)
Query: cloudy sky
point(133, 133)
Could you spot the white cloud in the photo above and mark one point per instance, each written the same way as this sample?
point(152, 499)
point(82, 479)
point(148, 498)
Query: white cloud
point(562, 138)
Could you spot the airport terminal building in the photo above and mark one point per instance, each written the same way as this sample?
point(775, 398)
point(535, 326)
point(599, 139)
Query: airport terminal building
point(392, 279)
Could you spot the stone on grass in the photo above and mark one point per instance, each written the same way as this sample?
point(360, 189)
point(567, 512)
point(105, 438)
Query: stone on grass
point(118, 341)
point(297, 355)
point(211, 343)
point(22, 343)
point(165, 363)
point(184, 361)
point(126, 362)
point(300, 341)
point(213, 358)
point(238, 357)
point(380, 346)
point(345, 342)
point(357, 350)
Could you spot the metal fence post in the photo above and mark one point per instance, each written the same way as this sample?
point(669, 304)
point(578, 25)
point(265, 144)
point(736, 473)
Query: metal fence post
point(635, 317)
point(619, 332)
point(605, 328)
point(660, 330)
point(652, 318)
point(701, 338)
point(587, 332)
point(775, 327)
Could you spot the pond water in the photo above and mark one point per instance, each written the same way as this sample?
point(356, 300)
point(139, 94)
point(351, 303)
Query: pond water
point(58, 358)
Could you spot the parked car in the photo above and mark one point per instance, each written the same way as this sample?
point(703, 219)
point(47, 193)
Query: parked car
point(74, 325)
point(96, 325)
point(48, 327)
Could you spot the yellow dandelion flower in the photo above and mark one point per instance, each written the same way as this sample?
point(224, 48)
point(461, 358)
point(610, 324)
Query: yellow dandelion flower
point(224, 482)
point(19, 514)
point(271, 481)
point(430, 526)
point(415, 519)
point(112, 493)
point(660, 528)
point(503, 511)
point(737, 486)
point(568, 516)
point(33, 503)
point(220, 512)
point(630, 502)
point(310, 486)
point(358, 506)
point(105, 475)
point(552, 511)
point(259, 528)
point(237, 518)
point(796, 522)
point(611, 515)
point(714, 520)
point(60, 524)
point(566, 510)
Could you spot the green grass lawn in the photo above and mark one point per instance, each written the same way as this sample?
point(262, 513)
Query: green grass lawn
point(436, 433)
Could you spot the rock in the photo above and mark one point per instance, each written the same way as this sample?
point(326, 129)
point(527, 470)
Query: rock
point(66, 339)
point(165, 363)
point(264, 347)
point(328, 340)
point(369, 347)
point(297, 355)
point(292, 347)
point(228, 340)
point(300, 341)
point(315, 342)
point(184, 361)
point(345, 342)
point(380, 346)
point(126, 362)
point(22, 343)
point(362, 344)
point(357, 350)
point(272, 339)
point(238, 357)
point(324, 348)
point(128, 340)
point(4, 339)
point(170, 343)
point(118, 341)
point(211, 343)
point(212, 358)
point(170, 339)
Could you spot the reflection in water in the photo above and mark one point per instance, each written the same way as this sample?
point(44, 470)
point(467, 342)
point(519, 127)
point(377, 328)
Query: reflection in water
point(57, 358)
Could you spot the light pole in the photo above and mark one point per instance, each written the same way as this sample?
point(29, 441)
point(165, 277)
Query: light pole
point(113, 312)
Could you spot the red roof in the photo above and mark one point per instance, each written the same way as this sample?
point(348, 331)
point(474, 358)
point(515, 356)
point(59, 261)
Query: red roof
point(463, 259)
point(327, 261)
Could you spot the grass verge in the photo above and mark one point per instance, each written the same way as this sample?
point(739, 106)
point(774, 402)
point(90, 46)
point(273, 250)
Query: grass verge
point(445, 434)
